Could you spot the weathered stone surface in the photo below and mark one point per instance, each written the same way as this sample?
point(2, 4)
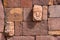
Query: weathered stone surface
point(14, 14)
point(37, 13)
point(45, 12)
point(18, 28)
point(54, 23)
point(45, 38)
point(41, 2)
point(35, 28)
point(51, 2)
point(1, 17)
point(28, 15)
point(55, 2)
point(58, 2)
point(58, 37)
point(9, 28)
point(54, 32)
point(26, 3)
point(54, 11)
point(2, 36)
point(21, 38)
point(11, 3)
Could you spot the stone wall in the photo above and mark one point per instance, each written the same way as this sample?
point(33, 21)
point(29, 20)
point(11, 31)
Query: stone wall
point(29, 19)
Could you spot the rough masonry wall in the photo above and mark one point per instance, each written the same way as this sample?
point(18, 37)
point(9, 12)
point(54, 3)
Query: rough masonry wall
point(29, 19)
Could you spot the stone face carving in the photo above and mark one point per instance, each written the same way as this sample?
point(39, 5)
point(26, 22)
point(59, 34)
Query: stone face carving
point(9, 29)
point(37, 13)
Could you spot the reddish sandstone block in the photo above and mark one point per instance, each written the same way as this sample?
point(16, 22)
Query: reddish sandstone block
point(54, 11)
point(18, 28)
point(26, 3)
point(41, 2)
point(54, 23)
point(28, 16)
point(2, 36)
point(45, 38)
point(58, 37)
point(11, 3)
point(14, 14)
point(1, 17)
point(45, 12)
point(35, 28)
point(21, 38)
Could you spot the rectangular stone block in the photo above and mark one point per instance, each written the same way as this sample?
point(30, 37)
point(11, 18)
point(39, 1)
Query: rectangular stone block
point(9, 29)
point(35, 28)
point(11, 3)
point(40, 2)
point(58, 37)
point(28, 16)
point(54, 32)
point(1, 17)
point(2, 36)
point(37, 13)
point(54, 11)
point(45, 13)
point(54, 23)
point(18, 28)
point(21, 38)
point(26, 3)
point(45, 38)
point(14, 14)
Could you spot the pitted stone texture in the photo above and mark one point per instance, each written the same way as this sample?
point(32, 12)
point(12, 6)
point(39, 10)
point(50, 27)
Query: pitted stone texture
point(45, 38)
point(21, 38)
point(1, 17)
point(54, 23)
point(54, 11)
point(35, 28)
point(18, 28)
point(26, 3)
point(11, 3)
point(28, 15)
